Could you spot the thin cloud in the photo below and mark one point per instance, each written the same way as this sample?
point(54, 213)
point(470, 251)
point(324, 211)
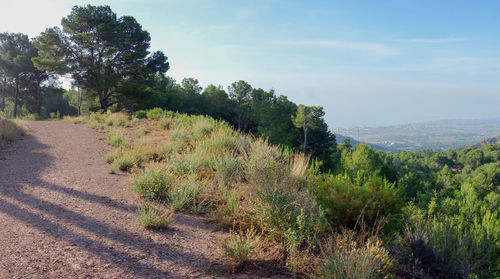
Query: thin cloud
point(433, 41)
point(220, 27)
point(372, 48)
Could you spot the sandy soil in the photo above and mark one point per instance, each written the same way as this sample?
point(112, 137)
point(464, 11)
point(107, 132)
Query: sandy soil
point(62, 215)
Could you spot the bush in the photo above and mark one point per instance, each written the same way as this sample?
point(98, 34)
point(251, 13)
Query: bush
point(141, 132)
point(165, 123)
point(446, 246)
point(352, 256)
point(11, 129)
point(240, 248)
point(141, 114)
point(152, 217)
point(202, 128)
point(128, 160)
point(153, 183)
point(184, 196)
point(118, 120)
point(144, 142)
point(117, 139)
point(266, 165)
point(109, 158)
point(155, 113)
point(348, 202)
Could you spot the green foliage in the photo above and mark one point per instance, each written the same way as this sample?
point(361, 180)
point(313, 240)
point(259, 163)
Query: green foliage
point(453, 214)
point(152, 217)
point(86, 30)
point(240, 248)
point(11, 129)
point(460, 249)
point(118, 120)
point(348, 202)
point(141, 114)
point(203, 165)
point(153, 183)
point(155, 113)
point(351, 256)
point(117, 139)
point(140, 132)
point(184, 195)
point(308, 118)
point(124, 163)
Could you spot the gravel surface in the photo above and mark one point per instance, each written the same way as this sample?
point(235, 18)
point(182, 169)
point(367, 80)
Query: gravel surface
point(62, 215)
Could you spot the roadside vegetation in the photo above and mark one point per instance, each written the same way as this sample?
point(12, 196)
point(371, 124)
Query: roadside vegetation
point(427, 214)
point(10, 129)
point(266, 169)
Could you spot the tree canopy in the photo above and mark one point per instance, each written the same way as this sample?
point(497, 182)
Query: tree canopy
point(101, 52)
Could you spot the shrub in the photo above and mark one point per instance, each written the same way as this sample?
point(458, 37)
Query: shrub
point(228, 169)
point(144, 142)
point(117, 139)
point(221, 140)
point(109, 158)
point(124, 163)
point(165, 123)
point(352, 256)
point(118, 120)
point(240, 248)
point(265, 165)
point(181, 135)
point(141, 114)
point(184, 196)
point(141, 132)
point(348, 202)
point(11, 129)
point(155, 113)
point(446, 246)
point(202, 128)
point(127, 160)
point(74, 120)
point(152, 217)
point(153, 183)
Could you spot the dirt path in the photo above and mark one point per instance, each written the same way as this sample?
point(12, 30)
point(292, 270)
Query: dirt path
point(62, 215)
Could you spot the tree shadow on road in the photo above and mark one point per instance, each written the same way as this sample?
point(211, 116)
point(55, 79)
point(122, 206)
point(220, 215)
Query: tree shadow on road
point(20, 173)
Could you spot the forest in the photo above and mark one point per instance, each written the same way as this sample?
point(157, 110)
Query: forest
point(344, 212)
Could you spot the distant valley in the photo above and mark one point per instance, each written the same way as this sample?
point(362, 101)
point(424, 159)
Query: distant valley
point(436, 135)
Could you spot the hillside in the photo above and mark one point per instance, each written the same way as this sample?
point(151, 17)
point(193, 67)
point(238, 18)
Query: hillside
point(436, 135)
point(492, 140)
point(340, 138)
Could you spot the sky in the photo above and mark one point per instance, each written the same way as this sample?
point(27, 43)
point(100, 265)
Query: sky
point(368, 63)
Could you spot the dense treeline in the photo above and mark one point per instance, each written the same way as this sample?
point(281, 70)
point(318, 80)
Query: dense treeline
point(108, 60)
point(445, 205)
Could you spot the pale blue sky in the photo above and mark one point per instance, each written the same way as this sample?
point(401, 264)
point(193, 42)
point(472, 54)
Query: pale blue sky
point(365, 62)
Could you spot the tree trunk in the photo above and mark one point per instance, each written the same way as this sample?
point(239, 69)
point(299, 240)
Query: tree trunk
point(305, 139)
point(4, 93)
point(79, 102)
point(16, 96)
point(103, 99)
point(39, 98)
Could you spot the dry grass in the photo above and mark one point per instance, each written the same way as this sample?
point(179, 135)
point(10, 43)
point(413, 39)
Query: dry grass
point(11, 129)
point(199, 164)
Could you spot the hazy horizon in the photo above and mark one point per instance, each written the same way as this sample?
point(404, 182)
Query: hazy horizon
point(370, 64)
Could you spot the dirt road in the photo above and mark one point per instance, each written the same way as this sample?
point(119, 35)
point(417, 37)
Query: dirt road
point(62, 215)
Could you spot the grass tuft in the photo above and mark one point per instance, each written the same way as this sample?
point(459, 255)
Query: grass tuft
point(153, 217)
point(153, 183)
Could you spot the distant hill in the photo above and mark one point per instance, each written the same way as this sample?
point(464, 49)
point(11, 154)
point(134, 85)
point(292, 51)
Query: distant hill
point(492, 140)
point(340, 138)
point(436, 135)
